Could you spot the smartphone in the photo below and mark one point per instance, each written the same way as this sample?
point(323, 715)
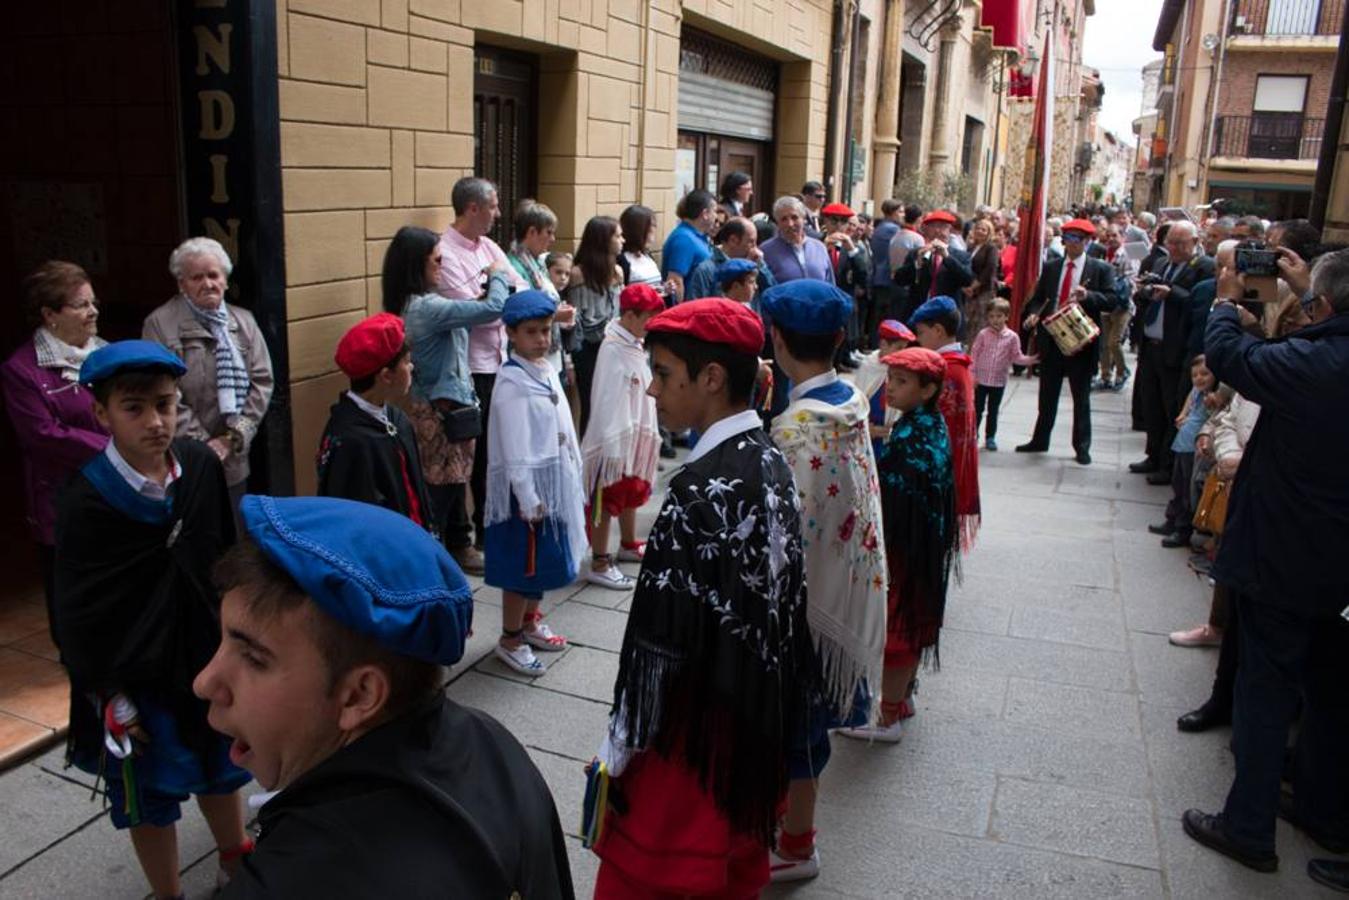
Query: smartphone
point(1257, 263)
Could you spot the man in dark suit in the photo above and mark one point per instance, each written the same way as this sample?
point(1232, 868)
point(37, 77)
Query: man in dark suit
point(1076, 278)
point(935, 270)
point(1163, 303)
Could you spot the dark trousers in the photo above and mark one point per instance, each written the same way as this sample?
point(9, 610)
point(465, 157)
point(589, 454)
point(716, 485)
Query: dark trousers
point(992, 396)
point(583, 361)
point(46, 558)
point(1178, 512)
point(1158, 388)
point(1054, 368)
point(449, 506)
point(477, 482)
point(903, 302)
point(1288, 655)
point(1224, 614)
point(877, 309)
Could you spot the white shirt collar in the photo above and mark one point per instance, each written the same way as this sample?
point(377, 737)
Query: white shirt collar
point(378, 413)
point(139, 483)
point(824, 379)
point(723, 430)
point(625, 334)
point(953, 347)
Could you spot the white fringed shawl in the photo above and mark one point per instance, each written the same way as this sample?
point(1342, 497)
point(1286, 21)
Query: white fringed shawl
point(532, 452)
point(621, 438)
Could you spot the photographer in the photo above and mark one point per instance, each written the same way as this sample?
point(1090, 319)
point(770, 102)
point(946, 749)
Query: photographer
point(936, 269)
point(1287, 525)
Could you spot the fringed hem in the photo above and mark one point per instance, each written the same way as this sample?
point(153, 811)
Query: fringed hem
point(841, 674)
point(635, 452)
point(549, 480)
point(969, 530)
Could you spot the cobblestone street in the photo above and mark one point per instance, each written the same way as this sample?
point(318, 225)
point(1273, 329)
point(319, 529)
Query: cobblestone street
point(1044, 759)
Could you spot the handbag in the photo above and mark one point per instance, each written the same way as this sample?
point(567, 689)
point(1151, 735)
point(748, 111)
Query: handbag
point(460, 423)
point(1210, 514)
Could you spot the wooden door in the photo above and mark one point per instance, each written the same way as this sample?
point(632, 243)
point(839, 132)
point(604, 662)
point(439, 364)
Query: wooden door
point(748, 157)
point(505, 91)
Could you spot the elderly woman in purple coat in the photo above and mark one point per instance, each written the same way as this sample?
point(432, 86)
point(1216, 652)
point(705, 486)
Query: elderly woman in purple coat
point(53, 415)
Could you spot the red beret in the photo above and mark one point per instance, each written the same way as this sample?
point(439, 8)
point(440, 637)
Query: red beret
point(895, 330)
point(920, 360)
point(838, 211)
point(1082, 225)
point(370, 345)
point(641, 298)
point(716, 320)
point(939, 215)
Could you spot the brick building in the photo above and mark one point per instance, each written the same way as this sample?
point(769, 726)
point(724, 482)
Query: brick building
point(1243, 101)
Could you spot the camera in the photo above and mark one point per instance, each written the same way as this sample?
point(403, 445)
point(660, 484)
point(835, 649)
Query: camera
point(1253, 259)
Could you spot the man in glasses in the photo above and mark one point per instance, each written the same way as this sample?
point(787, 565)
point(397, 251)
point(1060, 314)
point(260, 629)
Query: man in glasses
point(813, 196)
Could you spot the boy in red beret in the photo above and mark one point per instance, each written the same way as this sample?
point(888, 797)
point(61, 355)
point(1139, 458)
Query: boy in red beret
point(717, 662)
point(918, 509)
point(369, 450)
point(621, 446)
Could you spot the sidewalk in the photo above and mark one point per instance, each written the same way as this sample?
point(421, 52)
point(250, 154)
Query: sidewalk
point(1044, 760)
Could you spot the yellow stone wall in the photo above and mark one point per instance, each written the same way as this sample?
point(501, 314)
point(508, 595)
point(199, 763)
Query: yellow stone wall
point(376, 126)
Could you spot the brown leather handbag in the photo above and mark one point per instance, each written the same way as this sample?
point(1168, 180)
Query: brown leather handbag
point(1210, 514)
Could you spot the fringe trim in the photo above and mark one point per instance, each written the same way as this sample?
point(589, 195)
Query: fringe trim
point(556, 488)
point(842, 673)
point(635, 451)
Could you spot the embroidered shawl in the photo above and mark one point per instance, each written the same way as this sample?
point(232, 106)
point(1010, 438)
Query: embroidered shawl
point(621, 438)
point(956, 402)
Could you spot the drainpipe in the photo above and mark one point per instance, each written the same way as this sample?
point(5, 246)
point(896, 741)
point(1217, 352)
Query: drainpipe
point(641, 116)
point(1217, 92)
point(835, 86)
point(855, 36)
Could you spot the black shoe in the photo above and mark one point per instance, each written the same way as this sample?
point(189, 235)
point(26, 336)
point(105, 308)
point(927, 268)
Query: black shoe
point(1327, 842)
point(1333, 873)
point(1083, 458)
point(1143, 466)
point(1165, 529)
point(1032, 447)
point(1209, 831)
point(1171, 541)
point(1204, 718)
point(1159, 477)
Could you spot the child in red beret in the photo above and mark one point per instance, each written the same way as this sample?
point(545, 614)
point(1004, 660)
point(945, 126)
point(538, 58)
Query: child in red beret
point(369, 449)
point(717, 662)
point(918, 506)
point(621, 446)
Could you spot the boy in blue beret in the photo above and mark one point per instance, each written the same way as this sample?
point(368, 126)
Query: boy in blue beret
point(337, 618)
point(739, 281)
point(535, 510)
point(824, 436)
point(937, 326)
point(137, 532)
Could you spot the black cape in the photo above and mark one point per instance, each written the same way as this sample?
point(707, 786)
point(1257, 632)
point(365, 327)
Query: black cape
point(135, 608)
point(359, 460)
point(440, 802)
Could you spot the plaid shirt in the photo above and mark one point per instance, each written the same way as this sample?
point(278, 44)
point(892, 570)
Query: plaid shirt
point(993, 354)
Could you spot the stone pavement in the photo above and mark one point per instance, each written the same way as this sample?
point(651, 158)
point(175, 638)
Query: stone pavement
point(1044, 760)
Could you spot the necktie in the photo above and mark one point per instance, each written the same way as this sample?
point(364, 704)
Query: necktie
point(833, 256)
point(1067, 287)
point(936, 267)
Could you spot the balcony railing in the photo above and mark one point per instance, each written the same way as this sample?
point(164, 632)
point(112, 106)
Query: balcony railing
point(1287, 17)
point(1268, 136)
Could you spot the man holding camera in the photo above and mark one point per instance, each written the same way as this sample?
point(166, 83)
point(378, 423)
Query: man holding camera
point(1163, 299)
point(936, 269)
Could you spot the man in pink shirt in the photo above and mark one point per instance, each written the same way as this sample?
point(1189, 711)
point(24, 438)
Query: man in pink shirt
point(467, 255)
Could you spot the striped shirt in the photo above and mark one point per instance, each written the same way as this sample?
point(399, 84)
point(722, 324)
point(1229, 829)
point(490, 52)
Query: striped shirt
point(993, 353)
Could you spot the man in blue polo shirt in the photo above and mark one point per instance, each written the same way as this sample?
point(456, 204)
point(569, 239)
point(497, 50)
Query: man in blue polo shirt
point(688, 245)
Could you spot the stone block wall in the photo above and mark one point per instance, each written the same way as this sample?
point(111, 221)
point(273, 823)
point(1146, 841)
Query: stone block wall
point(377, 124)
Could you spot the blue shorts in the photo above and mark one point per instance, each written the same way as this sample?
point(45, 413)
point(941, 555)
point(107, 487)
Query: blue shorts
point(809, 751)
point(167, 773)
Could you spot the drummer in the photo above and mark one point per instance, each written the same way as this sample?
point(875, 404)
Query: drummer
point(1075, 280)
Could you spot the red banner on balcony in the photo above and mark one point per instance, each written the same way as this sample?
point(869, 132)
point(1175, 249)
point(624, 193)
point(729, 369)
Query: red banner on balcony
point(1006, 19)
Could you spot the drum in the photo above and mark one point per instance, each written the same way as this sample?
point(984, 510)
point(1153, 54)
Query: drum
point(1072, 329)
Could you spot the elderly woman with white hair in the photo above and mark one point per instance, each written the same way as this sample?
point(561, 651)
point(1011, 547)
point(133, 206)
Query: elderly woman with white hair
point(229, 371)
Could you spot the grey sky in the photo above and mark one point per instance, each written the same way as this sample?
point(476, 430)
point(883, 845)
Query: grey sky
point(1119, 42)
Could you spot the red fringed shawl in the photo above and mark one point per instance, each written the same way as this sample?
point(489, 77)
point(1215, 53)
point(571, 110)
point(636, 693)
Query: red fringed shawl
point(956, 403)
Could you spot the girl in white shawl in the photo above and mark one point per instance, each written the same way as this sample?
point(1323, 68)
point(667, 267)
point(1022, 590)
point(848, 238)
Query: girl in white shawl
point(535, 508)
point(622, 443)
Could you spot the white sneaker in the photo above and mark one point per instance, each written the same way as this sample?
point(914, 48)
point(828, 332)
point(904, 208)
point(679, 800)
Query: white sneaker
point(520, 659)
point(632, 554)
point(880, 734)
point(783, 869)
point(541, 637)
point(611, 578)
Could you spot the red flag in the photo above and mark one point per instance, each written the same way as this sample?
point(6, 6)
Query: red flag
point(1035, 185)
point(1005, 19)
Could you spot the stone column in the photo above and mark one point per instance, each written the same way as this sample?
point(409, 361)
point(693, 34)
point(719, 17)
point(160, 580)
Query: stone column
point(939, 153)
point(885, 142)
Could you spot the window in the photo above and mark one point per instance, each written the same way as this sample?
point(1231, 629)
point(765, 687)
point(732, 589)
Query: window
point(1280, 93)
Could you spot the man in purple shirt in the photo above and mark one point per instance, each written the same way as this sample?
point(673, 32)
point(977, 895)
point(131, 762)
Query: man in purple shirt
point(467, 255)
point(793, 254)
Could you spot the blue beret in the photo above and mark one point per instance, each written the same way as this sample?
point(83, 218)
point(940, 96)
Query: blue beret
point(375, 571)
point(122, 355)
point(807, 306)
point(733, 269)
point(527, 305)
point(933, 308)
